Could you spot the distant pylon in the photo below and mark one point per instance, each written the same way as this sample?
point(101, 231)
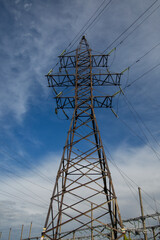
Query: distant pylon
point(83, 179)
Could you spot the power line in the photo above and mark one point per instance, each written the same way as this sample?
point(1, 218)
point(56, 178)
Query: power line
point(24, 200)
point(96, 18)
point(125, 176)
point(131, 25)
point(75, 39)
point(130, 106)
point(142, 122)
point(150, 70)
point(125, 179)
point(133, 31)
point(27, 180)
point(140, 58)
point(24, 187)
point(13, 187)
point(27, 166)
point(142, 140)
point(122, 174)
point(77, 35)
point(138, 25)
point(155, 152)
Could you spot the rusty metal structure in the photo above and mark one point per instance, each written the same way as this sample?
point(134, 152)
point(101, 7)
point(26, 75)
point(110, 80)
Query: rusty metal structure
point(83, 196)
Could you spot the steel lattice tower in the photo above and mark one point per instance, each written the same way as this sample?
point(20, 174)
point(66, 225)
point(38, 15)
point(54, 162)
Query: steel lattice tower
point(83, 196)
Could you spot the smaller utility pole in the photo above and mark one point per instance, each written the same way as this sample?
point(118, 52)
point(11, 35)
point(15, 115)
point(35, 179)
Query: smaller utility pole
point(30, 230)
point(154, 235)
point(22, 231)
point(9, 233)
point(92, 238)
point(74, 235)
point(142, 214)
point(129, 235)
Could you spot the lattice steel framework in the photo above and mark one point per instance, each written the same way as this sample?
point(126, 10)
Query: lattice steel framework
point(83, 195)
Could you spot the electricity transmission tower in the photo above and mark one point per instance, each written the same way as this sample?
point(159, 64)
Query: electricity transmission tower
point(83, 196)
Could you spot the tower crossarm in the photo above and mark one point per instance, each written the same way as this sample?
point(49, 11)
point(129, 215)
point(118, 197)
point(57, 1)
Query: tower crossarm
point(69, 61)
point(108, 79)
point(98, 102)
point(68, 80)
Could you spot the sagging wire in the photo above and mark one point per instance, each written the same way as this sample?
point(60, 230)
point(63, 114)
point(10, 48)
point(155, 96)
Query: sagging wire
point(24, 199)
point(64, 112)
point(150, 70)
point(58, 95)
point(51, 70)
point(132, 25)
point(114, 56)
point(128, 72)
point(147, 140)
point(138, 25)
point(74, 40)
point(94, 19)
point(134, 63)
point(121, 91)
point(133, 30)
point(97, 17)
point(136, 115)
point(122, 175)
point(137, 61)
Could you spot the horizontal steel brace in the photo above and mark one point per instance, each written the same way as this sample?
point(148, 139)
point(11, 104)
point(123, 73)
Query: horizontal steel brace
point(98, 102)
point(65, 80)
point(96, 61)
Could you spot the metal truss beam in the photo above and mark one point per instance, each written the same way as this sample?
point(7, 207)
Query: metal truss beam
point(69, 61)
point(98, 102)
point(69, 80)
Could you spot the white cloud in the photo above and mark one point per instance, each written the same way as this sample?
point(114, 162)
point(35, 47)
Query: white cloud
point(17, 1)
point(27, 6)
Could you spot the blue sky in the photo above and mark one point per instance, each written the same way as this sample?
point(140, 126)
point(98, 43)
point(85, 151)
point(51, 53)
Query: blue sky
point(33, 34)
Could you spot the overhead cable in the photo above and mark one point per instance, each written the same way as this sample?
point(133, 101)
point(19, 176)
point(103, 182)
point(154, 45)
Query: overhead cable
point(131, 25)
point(75, 39)
point(25, 179)
point(144, 55)
point(138, 26)
point(150, 70)
point(24, 200)
point(24, 187)
point(77, 35)
point(13, 187)
point(125, 176)
point(139, 117)
point(27, 166)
